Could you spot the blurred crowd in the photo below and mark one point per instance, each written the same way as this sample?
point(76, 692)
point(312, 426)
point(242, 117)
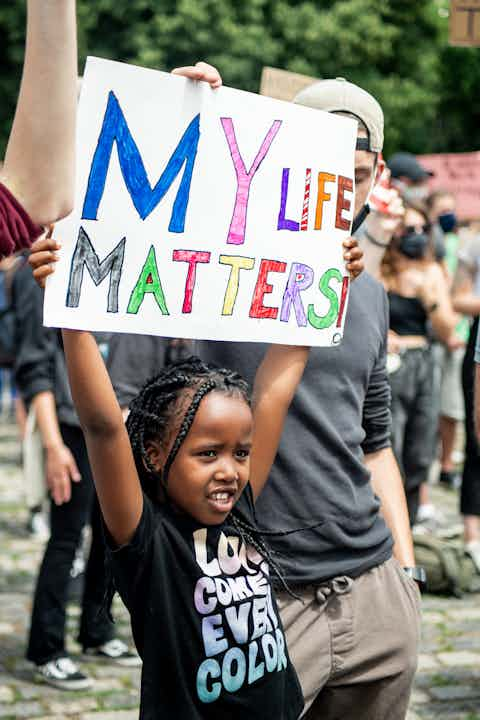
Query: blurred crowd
point(429, 263)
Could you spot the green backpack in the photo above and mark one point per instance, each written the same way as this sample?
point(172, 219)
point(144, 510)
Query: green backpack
point(450, 570)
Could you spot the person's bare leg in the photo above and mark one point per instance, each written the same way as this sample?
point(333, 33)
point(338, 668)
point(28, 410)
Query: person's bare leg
point(448, 428)
point(471, 528)
point(20, 416)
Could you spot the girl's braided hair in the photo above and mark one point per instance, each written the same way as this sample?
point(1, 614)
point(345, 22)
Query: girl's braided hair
point(160, 405)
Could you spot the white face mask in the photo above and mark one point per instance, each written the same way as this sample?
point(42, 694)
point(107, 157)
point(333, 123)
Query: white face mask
point(411, 193)
point(415, 193)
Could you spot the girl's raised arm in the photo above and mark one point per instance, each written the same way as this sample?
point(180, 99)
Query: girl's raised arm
point(39, 161)
point(275, 384)
point(109, 451)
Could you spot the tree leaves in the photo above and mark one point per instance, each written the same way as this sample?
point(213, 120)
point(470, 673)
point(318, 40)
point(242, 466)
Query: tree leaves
point(396, 50)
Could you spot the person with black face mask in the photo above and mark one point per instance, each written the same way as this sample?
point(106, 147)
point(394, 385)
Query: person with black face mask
point(449, 359)
point(419, 298)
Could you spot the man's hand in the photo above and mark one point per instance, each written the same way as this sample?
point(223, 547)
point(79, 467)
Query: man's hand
point(201, 71)
point(388, 211)
point(61, 470)
point(43, 256)
point(353, 256)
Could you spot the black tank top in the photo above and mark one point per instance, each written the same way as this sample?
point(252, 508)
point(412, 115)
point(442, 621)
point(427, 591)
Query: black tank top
point(407, 315)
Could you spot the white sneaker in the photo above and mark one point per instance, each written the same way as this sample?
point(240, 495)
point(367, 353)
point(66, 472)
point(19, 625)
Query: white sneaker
point(472, 548)
point(115, 651)
point(38, 526)
point(63, 673)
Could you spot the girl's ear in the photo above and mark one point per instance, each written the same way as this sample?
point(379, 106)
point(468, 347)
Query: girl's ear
point(156, 454)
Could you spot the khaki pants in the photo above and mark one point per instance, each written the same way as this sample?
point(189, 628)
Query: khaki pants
point(354, 644)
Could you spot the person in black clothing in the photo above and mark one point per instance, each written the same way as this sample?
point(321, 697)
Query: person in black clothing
point(419, 298)
point(466, 300)
point(41, 377)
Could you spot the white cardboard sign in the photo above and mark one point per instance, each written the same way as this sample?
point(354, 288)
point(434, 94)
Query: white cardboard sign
point(204, 214)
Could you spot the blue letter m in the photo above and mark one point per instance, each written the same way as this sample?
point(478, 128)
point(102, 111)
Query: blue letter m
point(144, 197)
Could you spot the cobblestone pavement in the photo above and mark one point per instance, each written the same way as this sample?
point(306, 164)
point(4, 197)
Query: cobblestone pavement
point(447, 685)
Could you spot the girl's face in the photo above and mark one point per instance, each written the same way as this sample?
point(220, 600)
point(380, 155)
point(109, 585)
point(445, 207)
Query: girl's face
point(212, 465)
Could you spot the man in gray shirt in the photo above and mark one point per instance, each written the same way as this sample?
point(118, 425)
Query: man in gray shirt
point(353, 628)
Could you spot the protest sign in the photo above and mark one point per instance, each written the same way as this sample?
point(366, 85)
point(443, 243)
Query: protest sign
point(204, 214)
point(465, 23)
point(283, 84)
point(459, 173)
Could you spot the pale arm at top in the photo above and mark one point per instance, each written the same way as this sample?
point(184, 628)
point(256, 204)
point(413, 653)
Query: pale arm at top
point(275, 384)
point(39, 161)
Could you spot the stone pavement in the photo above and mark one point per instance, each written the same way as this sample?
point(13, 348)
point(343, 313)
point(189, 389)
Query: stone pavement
point(447, 685)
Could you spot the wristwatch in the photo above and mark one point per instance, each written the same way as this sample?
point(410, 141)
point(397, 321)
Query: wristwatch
point(418, 574)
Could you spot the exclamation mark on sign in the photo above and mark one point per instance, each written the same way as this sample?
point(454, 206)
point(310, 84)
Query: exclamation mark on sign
point(306, 199)
point(343, 300)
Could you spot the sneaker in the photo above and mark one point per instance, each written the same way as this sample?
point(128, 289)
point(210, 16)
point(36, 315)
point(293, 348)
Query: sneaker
point(429, 517)
point(63, 673)
point(450, 480)
point(38, 527)
point(115, 651)
point(472, 548)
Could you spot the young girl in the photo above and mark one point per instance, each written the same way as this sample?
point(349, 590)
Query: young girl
point(176, 488)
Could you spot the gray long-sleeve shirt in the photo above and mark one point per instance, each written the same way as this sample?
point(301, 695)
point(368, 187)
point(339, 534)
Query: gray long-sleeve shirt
point(340, 412)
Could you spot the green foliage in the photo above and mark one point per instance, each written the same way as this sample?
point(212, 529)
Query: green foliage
point(397, 50)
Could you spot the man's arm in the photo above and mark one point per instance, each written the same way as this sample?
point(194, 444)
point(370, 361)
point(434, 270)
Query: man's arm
point(388, 486)
point(34, 377)
point(39, 160)
point(379, 459)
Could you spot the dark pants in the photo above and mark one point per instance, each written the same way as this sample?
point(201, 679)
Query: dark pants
point(413, 427)
point(47, 631)
point(470, 494)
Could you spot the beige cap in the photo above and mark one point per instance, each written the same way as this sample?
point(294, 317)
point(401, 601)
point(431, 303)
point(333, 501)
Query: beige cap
point(339, 95)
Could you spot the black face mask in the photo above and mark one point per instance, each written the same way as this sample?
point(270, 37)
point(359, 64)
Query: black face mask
point(360, 218)
point(413, 245)
point(447, 222)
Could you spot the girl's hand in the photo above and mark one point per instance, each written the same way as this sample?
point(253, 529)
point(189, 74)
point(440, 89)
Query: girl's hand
point(201, 71)
point(353, 256)
point(43, 256)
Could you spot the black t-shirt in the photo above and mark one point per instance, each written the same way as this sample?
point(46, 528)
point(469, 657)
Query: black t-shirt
point(204, 620)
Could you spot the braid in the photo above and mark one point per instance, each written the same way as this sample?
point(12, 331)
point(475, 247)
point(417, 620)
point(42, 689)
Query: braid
point(187, 423)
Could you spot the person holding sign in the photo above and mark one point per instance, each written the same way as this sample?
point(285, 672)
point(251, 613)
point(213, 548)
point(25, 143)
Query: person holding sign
point(353, 635)
point(177, 487)
point(37, 177)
